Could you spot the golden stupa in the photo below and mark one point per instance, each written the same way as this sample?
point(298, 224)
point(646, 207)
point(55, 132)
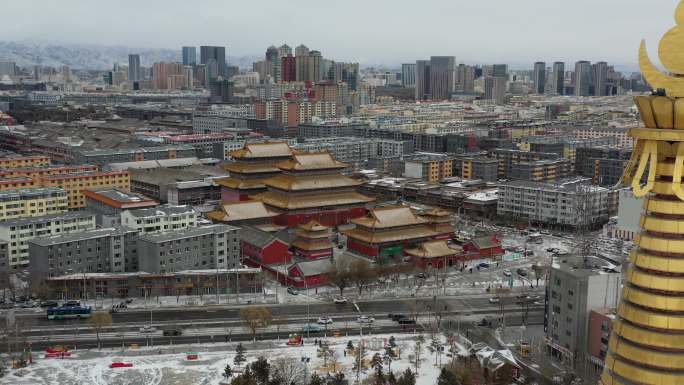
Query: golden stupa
point(647, 344)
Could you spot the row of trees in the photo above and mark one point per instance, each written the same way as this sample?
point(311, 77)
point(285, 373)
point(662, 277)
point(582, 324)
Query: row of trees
point(279, 371)
point(348, 271)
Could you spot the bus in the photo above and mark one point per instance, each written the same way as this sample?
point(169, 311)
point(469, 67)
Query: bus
point(68, 312)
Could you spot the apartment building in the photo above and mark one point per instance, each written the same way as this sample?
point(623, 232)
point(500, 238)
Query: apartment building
point(509, 158)
point(619, 133)
point(106, 250)
point(120, 155)
point(540, 170)
point(36, 202)
point(476, 167)
point(74, 184)
point(355, 151)
point(109, 202)
point(428, 167)
point(18, 183)
point(569, 202)
point(24, 161)
point(159, 219)
point(575, 290)
point(39, 172)
point(17, 232)
point(604, 164)
point(193, 248)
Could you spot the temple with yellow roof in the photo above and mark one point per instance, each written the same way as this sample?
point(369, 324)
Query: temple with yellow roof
point(249, 167)
point(313, 241)
point(311, 187)
point(387, 231)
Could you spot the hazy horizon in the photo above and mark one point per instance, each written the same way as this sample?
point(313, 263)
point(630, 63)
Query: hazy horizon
point(372, 33)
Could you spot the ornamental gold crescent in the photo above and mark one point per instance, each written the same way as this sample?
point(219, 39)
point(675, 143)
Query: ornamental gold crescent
point(671, 54)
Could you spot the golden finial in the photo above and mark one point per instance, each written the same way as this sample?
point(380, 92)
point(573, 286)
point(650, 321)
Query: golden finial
point(671, 53)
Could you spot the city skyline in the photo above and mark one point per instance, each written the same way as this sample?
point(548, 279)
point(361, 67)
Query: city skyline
point(511, 33)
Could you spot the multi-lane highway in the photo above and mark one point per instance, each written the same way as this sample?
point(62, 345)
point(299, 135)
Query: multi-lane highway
point(218, 324)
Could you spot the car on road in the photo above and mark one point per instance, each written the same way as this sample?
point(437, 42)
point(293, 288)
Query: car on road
point(27, 304)
point(311, 328)
point(147, 329)
point(340, 300)
point(395, 316)
point(485, 322)
point(8, 305)
point(507, 273)
point(172, 332)
point(324, 320)
point(421, 275)
point(522, 272)
point(364, 319)
point(292, 291)
point(494, 300)
point(71, 304)
point(406, 321)
point(483, 265)
point(49, 304)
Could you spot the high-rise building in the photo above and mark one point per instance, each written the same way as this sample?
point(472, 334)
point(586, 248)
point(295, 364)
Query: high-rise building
point(465, 78)
point(288, 68)
point(273, 57)
point(284, 50)
point(408, 75)
point(308, 66)
point(600, 70)
point(422, 80)
point(169, 76)
point(558, 78)
point(189, 56)
point(495, 88)
point(583, 75)
point(8, 68)
point(539, 77)
point(500, 70)
point(134, 74)
point(302, 50)
point(214, 56)
point(442, 77)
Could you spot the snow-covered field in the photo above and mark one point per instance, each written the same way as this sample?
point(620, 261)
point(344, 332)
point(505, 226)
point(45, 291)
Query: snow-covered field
point(152, 367)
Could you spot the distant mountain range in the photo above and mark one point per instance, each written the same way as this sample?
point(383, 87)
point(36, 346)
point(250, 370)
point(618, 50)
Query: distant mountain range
point(90, 57)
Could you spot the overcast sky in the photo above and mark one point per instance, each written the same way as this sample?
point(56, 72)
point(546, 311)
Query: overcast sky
point(367, 31)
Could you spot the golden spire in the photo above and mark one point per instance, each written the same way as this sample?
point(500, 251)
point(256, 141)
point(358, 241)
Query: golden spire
point(671, 55)
point(647, 343)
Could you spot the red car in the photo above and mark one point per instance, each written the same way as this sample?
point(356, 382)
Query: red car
point(120, 365)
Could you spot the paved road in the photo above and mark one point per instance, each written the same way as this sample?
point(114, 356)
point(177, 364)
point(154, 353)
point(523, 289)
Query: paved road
point(460, 304)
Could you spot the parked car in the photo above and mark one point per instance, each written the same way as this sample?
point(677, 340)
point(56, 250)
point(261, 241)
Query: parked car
point(292, 291)
point(494, 300)
point(507, 273)
point(421, 275)
point(483, 265)
point(147, 329)
point(364, 319)
point(406, 321)
point(340, 300)
point(522, 272)
point(395, 317)
point(324, 320)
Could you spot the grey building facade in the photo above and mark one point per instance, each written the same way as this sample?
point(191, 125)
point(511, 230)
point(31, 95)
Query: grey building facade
point(573, 291)
point(558, 78)
point(109, 250)
point(567, 203)
point(539, 77)
point(119, 155)
point(408, 75)
point(208, 247)
point(442, 71)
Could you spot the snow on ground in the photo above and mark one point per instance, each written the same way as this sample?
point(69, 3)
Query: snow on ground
point(170, 366)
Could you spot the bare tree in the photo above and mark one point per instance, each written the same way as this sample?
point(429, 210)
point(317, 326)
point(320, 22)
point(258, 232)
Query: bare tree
point(289, 370)
point(341, 275)
point(361, 273)
point(99, 321)
point(256, 318)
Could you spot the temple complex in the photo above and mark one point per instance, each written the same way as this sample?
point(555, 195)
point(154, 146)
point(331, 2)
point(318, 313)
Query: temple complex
point(436, 255)
point(313, 241)
point(311, 187)
point(250, 166)
point(387, 231)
